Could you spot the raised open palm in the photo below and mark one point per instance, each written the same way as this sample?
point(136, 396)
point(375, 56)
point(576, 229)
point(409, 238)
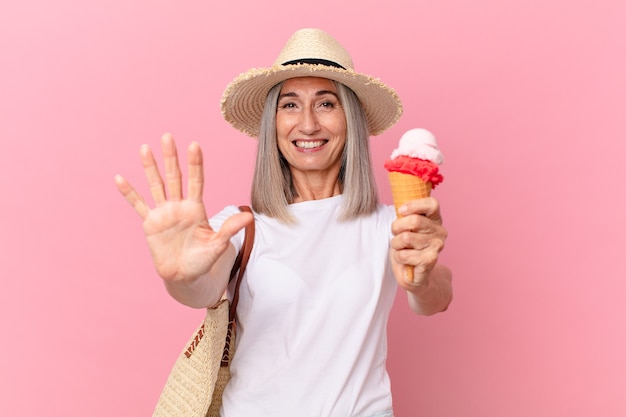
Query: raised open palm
point(182, 243)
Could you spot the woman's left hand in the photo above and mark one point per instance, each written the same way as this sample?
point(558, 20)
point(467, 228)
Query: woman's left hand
point(418, 237)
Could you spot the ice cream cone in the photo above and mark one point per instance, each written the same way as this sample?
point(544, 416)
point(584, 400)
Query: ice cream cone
point(414, 171)
point(406, 187)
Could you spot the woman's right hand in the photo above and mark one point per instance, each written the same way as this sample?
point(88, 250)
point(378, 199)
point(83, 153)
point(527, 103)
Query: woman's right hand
point(183, 245)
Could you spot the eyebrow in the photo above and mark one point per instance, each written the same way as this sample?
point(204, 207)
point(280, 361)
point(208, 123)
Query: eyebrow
point(317, 94)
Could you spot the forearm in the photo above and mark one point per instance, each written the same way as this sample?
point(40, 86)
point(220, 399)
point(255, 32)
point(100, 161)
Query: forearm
point(207, 289)
point(433, 295)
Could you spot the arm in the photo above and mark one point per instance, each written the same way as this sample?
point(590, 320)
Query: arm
point(193, 260)
point(418, 238)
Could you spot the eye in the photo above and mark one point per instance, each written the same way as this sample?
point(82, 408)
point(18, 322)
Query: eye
point(328, 105)
point(288, 106)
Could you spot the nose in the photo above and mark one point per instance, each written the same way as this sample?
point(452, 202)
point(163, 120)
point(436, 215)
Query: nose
point(309, 123)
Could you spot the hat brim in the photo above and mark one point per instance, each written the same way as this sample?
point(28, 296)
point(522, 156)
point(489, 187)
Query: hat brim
point(243, 99)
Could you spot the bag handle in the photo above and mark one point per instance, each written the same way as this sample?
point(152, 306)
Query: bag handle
point(240, 263)
point(239, 268)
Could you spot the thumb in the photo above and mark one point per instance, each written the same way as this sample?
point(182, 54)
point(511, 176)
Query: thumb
point(234, 224)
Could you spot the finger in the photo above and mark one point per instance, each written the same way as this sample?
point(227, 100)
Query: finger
point(426, 262)
point(234, 224)
point(195, 183)
point(155, 182)
point(132, 196)
point(173, 176)
point(414, 223)
point(428, 207)
point(420, 241)
point(413, 241)
point(404, 271)
point(415, 263)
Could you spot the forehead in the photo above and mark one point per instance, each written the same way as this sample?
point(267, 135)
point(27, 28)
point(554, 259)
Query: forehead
point(308, 83)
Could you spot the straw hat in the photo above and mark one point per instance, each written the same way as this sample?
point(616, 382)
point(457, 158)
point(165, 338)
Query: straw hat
point(308, 53)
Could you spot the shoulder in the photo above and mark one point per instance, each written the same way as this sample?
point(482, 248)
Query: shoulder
point(382, 219)
point(387, 210)
point(385, 213)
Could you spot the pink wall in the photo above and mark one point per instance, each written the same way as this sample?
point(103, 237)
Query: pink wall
point(527, 98)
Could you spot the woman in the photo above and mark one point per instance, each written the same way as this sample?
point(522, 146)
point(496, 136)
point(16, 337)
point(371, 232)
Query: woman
point(318, 289)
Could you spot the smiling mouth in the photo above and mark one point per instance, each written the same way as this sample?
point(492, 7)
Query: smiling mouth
point(309, 144)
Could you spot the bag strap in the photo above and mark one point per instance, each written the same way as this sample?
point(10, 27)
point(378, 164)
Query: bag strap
point(239, 268)
point(240, 264)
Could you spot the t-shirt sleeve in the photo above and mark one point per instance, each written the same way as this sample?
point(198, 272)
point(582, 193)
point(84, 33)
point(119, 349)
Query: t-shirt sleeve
point(388, 214)
point(217, 220)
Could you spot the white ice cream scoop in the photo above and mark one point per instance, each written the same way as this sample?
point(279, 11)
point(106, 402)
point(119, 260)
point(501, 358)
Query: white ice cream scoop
point(419, 143)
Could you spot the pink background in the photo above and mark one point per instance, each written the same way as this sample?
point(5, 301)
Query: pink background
point(527, 98)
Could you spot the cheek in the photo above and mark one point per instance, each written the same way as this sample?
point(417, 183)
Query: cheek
point(339, 130)
point(281, 132)
point(343, 130)
point(283, 126)
point(337, 124)
point(283, 148)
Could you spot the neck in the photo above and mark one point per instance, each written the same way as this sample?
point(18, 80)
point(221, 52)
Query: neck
point(310, 186)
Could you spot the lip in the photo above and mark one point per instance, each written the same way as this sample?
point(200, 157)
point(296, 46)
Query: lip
point(308, 145)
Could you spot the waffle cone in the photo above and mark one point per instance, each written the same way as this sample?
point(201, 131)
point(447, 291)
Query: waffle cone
point(406, 187)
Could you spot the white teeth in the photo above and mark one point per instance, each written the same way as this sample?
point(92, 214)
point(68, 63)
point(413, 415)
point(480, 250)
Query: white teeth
point(309, 144)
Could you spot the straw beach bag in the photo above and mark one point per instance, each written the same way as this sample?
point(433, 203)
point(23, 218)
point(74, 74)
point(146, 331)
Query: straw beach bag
point(195, 385)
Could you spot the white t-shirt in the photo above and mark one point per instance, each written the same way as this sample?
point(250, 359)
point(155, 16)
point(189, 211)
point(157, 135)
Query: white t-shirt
point(313, 310)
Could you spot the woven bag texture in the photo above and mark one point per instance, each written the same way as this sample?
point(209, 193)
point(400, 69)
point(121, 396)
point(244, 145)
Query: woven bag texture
point(196, 378)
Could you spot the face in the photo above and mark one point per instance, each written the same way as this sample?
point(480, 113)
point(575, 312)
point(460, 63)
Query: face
point(311, 126)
